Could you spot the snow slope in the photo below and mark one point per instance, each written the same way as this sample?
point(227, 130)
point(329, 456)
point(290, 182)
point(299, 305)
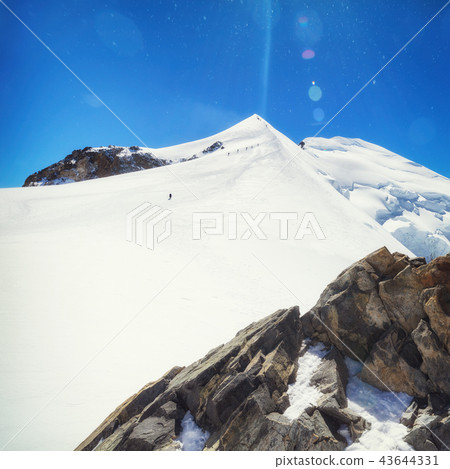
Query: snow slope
point(407, 199)
point(87, 318)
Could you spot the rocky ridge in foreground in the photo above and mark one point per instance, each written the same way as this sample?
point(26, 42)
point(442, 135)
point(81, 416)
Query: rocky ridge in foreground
point(388, 311)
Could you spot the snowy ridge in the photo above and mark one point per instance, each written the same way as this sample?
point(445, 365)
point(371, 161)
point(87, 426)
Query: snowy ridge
point(410, 201)
point(66, 263)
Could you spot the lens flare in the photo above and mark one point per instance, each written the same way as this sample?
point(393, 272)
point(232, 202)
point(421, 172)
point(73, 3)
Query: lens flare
point(309, 29)
point(314, 93)
point(318, 114)
point(308, 54)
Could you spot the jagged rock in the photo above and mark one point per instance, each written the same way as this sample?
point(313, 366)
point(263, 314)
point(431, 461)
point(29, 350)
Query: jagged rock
point(387, 369)
point(324, 435)
point(151, 433)
point(215, 146)
point(93, 163)
point(331, 377)
point(250, 372)
point(314, 327)
point(238, 391)
point(356, 424)
point(250, 423)
point(409, 416)
point(381, 261)
point(437, 402)
point(374, 306)
point(418, 261)
point(113, 441)
point(435, 273)
point(129, 409)
point(442, 434)
point(350, 313)
point(419, 440)
point(436, 360)
point(276, 432)
point(437, 307)
point(431, 431)
point(401, 297)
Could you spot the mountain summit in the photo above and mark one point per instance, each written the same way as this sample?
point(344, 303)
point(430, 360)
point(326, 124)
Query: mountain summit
point(253, 223)
point(410, 201)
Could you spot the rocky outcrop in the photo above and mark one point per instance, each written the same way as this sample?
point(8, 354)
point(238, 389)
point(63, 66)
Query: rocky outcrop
point(388, 311)
point(93, 163)
point(124, 416)
point(436, 360)
point(429, 421)
point(215, 146)
point(393, 314)
point(99, 162)
point(394, 364)
point(350, 313)
point(331, 377)
point(237, 393)
point(248, 375)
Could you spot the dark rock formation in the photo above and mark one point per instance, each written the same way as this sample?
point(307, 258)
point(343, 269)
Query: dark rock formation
point(393, 313)
point(388, 311)
point(237, 392)
point(93, 163)
point(331, 377)
point(215, 146)
point(430, 424)
point(386, 365)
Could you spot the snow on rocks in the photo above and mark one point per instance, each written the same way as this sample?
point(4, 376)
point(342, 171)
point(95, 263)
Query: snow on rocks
point(57, 240)
point(192, 437)
point(302, 394)
point(382, 409)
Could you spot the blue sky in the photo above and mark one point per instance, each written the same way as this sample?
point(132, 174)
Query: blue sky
point(180, 70)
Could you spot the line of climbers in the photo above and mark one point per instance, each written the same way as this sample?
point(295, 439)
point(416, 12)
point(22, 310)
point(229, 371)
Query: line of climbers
point(301, 144)
point(246, 148)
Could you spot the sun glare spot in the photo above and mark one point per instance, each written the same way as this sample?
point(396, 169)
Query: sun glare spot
point(314, 93)
point(318, 114)
point(308, 54)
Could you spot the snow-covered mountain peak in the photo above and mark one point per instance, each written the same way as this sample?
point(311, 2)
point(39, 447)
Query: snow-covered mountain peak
point(67, 259)
point(407, 199)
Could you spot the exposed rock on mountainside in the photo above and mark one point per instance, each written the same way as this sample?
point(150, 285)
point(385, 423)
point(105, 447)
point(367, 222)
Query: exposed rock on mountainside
point(237, 392)
point(429, 421)
point(387, 310)
point(93, 163)
point(215, 146)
